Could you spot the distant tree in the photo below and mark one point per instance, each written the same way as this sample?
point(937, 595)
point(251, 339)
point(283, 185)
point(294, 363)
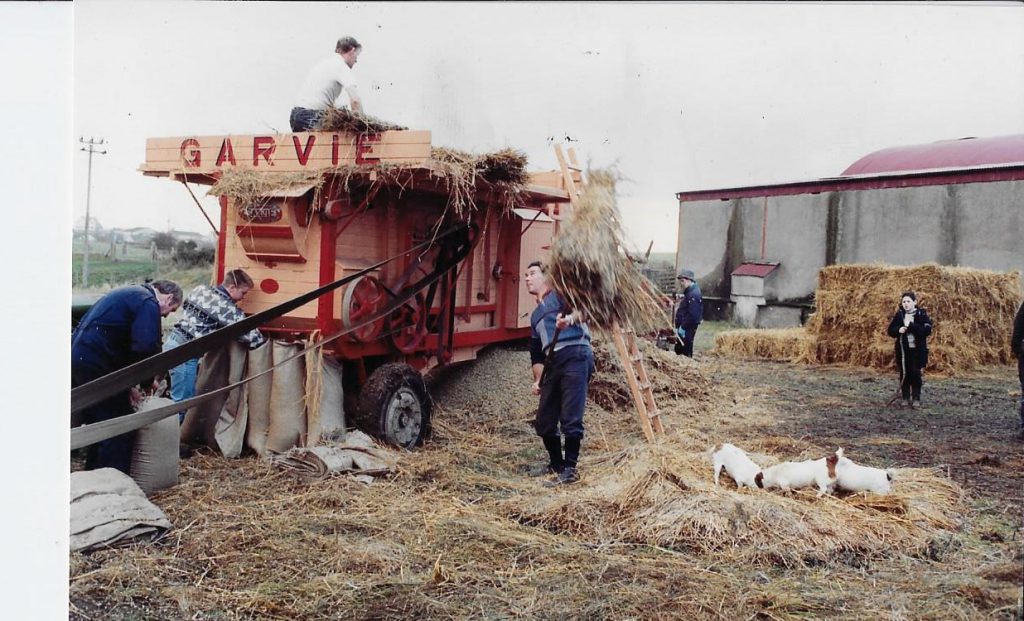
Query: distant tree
point(164, 241)
point(188, 254)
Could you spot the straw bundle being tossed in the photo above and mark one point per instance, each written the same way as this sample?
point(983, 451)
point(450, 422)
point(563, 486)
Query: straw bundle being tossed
point(590, 269)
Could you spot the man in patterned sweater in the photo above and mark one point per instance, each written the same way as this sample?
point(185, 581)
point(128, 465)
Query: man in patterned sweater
point(207, 309)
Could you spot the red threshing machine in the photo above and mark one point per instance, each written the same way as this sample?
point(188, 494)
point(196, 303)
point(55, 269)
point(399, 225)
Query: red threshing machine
point(345, 203)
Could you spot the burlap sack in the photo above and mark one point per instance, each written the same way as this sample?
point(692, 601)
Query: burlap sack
point(155, 454)
point(287, 400)
point(219, 422)
point(230, 427)
point(108, 508)
point(259, 390)
point(200, 425)
point(326, 421)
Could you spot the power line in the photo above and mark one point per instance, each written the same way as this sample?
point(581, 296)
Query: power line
point(90, 148)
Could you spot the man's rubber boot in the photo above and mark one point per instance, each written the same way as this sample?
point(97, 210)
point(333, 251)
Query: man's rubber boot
point(568, 473)
point(553, 444)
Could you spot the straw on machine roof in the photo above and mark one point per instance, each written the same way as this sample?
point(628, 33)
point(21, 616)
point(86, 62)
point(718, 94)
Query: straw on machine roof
point(472, 182)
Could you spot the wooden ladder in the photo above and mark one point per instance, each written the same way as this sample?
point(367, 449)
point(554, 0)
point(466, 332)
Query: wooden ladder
point(625, 337)
point(639, 383)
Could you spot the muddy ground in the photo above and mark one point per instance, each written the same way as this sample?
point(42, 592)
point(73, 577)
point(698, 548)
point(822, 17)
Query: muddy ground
point(434, 541)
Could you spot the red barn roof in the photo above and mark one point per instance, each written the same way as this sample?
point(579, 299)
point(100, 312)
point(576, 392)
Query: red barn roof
point(962, 153)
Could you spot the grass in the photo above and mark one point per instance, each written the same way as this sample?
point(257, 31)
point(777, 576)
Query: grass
point(132, 264)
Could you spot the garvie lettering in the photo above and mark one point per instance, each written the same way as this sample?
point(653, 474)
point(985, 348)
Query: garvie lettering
point(307, 146)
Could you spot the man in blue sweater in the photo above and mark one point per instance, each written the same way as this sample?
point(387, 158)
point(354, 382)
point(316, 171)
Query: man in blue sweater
point(689, 313)
point(122, 328)
point(563, 363)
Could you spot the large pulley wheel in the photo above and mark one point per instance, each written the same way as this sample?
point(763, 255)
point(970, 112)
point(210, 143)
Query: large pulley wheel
point(407, 325)
point(394, 406)
point(363, 298)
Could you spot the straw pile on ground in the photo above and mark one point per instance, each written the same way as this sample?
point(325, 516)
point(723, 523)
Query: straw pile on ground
point(971, 310)
point(460, 532)
point(589, 265)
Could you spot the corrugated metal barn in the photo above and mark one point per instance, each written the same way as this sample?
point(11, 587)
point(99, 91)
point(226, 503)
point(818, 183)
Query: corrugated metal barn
point(757, 249)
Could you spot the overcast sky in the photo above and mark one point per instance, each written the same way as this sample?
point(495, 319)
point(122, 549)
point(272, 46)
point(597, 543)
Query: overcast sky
point(677, 96)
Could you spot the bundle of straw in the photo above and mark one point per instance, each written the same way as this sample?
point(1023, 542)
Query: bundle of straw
point(591, 271)
point(344, 120)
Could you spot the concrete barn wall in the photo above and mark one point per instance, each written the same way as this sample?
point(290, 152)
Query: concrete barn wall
point(978, 225)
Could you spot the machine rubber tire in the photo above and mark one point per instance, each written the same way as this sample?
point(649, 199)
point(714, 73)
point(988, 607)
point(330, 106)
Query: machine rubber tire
point(394, 406)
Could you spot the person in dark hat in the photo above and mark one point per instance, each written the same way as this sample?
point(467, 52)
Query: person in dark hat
point(689, 313)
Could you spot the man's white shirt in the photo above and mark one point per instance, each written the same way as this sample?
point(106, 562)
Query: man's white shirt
point(325, 83)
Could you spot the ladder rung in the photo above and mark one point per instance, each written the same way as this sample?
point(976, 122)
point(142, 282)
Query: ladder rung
point(654, 414)
point(645, 386)
point(636, 358)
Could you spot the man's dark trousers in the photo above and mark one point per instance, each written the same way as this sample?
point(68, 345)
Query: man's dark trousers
point(564, 393)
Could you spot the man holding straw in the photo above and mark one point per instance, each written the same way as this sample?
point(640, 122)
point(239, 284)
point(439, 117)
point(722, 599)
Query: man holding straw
point(324, 85)
point(562, 363)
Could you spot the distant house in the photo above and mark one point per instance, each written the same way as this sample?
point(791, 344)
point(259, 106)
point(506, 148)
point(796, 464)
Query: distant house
point(141, 234)
point(202, 241)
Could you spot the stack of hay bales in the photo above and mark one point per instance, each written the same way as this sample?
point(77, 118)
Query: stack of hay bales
point(972, 311)
point(789, 344)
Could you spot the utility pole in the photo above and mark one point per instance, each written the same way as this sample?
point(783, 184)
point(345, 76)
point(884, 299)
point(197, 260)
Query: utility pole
point(90, 148)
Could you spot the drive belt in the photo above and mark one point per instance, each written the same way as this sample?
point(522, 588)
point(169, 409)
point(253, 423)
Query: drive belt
point(89, 434)
point(99, 389)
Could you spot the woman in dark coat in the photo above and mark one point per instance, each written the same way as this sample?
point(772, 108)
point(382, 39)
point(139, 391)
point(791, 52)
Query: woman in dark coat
point(910, 326)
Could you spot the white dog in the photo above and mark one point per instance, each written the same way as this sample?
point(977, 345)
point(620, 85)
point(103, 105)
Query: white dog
point(740, 467)
point(856, 478)
point(790, 475)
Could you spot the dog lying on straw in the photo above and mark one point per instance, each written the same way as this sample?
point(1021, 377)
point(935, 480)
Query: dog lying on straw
point(736, 464)
point(791, 475)
point(856, 478)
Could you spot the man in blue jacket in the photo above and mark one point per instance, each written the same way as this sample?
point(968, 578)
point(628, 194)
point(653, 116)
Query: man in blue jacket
point(122, 328)
point(563, 363)
point(689, 313)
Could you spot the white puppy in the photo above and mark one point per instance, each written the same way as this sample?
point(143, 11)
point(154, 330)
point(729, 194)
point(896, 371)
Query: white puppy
point(856, 478)
point(790, 475)
point(740, 467)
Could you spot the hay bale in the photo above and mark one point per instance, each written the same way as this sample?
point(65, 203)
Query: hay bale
point(972, 310)
point(590, 268)
point(788, 344)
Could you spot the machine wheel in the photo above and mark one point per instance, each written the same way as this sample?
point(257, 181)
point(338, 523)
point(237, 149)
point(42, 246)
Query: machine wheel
point(363, 298)
point(394, 406)
point(407, 325)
